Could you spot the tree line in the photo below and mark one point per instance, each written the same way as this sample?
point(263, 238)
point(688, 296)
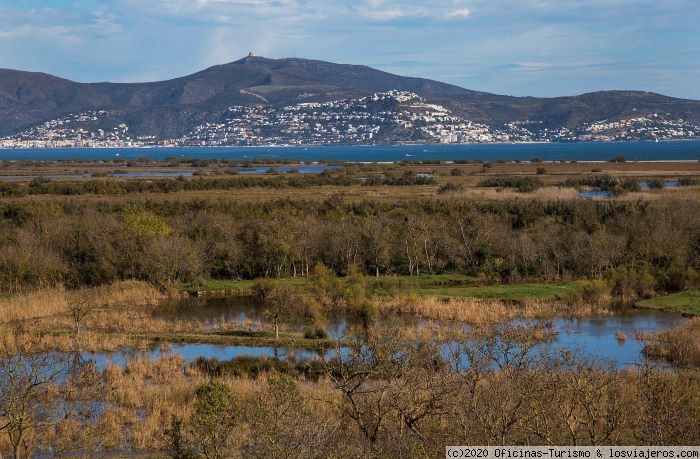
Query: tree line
point(44, 186)
point(647, 245)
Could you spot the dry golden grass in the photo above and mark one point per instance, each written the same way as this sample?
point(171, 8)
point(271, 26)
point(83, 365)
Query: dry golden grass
point(680, 345)
point(147, 395)
point(479, 312)
point(54, 302)
point(552, 193)
point(556, 173)
point(124, 314)
point(44, 303)
point(40, 321)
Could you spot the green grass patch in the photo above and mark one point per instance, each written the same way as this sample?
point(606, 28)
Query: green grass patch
point(433, 280)
point(407, 281)
point(440, 285)
point(234, 285)
point(684, 302)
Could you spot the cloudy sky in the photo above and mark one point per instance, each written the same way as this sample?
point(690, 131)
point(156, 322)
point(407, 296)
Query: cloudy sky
point(518, 47)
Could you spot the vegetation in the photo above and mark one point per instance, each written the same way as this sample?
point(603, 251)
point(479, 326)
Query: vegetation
point(504, 291)
point(685, 302)
point(439, 285)
point(396, 323)
point(383, 394)
point(522, 184)
point(51, 243)
point(679, 346)
point(614, 185)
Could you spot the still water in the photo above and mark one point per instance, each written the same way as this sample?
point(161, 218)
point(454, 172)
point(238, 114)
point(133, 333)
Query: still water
point(591, 336)
point(595, 194)
point(635, 151)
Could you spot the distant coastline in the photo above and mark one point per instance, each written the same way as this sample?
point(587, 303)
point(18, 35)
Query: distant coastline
point(685, 150)
point(393, 145)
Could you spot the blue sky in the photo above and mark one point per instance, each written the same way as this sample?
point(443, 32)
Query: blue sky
point(518, 47)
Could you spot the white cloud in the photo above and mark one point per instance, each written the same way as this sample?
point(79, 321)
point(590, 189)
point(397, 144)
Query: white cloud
point(309, 10)
point(507, 46)
point(460, 13)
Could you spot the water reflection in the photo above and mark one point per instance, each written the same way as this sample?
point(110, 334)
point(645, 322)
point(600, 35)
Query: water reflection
point(593, 337)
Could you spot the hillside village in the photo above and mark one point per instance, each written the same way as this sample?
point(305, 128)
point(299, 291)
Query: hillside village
point(384, 118)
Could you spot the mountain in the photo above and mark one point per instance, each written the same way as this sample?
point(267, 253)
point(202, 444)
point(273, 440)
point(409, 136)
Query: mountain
point(33, 105)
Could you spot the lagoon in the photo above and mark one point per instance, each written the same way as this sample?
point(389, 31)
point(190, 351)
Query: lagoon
point(591, 337)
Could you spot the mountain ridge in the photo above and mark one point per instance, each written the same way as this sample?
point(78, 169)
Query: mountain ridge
point(172, 108)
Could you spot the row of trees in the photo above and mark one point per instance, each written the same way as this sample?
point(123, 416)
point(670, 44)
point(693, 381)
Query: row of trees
point(42, 186)
point(655, 245)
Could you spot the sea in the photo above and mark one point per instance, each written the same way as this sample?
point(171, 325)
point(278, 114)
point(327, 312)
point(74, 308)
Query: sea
point(593, 151)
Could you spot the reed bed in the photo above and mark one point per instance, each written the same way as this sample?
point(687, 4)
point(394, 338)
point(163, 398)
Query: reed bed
point(147, 395)
point(34, 305)
point(477, 312)
point(680, 345)
point(54, 302)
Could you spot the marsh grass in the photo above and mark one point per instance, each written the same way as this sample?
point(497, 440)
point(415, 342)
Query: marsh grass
point(55, 302)
point(284, 411)
point(478, 311)
point(679, 345)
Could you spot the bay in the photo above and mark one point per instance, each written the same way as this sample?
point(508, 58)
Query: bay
point(632, 151)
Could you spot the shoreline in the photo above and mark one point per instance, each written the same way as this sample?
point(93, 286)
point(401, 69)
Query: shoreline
point(682, 151)
point(321, 146)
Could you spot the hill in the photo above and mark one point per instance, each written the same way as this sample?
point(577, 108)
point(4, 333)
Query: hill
point(40, 107)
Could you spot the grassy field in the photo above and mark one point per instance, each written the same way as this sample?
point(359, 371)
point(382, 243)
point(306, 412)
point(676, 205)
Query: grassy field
point(411, 281)
point(442, 286)
point(241, 286)
point(685, 302)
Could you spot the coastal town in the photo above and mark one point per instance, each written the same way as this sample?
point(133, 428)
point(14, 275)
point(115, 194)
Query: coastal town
point(393, 117)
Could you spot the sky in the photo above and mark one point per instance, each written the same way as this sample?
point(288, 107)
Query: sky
point(515, 47)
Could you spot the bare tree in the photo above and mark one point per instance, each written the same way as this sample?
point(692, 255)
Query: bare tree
point(365, 375)
point(28, 382)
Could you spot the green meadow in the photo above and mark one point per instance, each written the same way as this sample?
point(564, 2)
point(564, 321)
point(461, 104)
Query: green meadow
point(684, 302)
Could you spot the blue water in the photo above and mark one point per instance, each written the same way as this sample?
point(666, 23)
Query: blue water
point(595, 194)
point(191, 352)
point(592, 337)
point(645, 185)
point(635, 151)
point(595, 336)
point(286, 169)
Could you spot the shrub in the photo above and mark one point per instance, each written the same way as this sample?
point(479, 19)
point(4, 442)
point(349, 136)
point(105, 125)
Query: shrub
point(522, 184)
point(449, 187)
point(315, 333)
point(214, 417)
